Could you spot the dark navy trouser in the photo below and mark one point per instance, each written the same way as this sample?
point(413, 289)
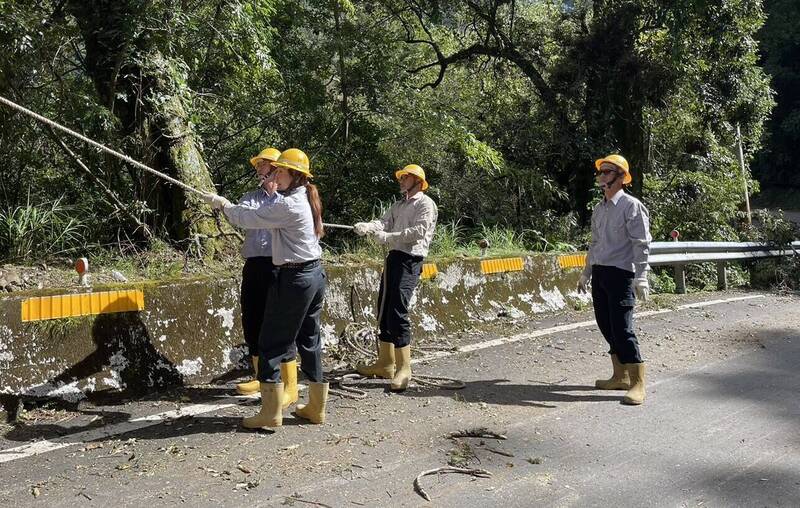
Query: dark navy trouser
point(291, 322)
point(400, 278)
point(613, 298)
point(258, 275)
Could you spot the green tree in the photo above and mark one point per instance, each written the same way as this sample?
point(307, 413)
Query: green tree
point(603, 71)
point(506, 103)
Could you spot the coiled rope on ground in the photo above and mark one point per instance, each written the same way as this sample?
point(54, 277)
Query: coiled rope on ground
point(360, 344)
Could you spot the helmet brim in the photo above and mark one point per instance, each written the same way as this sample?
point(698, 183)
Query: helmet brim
point(292, 166)
point(255, 160)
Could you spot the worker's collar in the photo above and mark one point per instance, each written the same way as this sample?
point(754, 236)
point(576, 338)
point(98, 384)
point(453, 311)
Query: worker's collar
point(415, 196)
point(616, 197)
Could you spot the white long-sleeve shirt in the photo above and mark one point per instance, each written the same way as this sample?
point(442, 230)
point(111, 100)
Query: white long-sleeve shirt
point(290, 221)
point(257, 242)
point(415, 219)
point(620, 235)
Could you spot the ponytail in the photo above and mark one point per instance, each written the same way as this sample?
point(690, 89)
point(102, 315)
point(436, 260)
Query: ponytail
point(316, 208)
point(301, 180)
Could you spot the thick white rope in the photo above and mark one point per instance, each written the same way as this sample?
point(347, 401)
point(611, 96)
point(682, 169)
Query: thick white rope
point(115, 153)
point(97, 145)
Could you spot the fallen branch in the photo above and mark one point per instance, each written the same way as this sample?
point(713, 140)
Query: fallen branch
point(499, 452)
point(479, 432)
point(478, 473)
point(547, 382)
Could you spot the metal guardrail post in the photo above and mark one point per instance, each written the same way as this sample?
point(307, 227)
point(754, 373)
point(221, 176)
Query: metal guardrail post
point(722, 276)
point(680, 280)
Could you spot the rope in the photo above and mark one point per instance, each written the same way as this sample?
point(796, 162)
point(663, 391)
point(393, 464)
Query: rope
point(97, 145)
point(345, 390)
point(121, 156)
point(337, 226)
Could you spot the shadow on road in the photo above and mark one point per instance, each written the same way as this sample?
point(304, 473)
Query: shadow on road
point(498, 391)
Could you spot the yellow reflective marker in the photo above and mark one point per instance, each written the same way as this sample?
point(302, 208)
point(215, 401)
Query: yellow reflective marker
point(85, 304)
point(502, 265)
point(572, 261)
point(429, 271)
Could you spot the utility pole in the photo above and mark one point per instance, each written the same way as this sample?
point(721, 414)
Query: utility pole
point(744, 174)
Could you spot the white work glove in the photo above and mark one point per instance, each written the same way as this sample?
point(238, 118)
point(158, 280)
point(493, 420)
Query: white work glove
point(384, 237)
point(642, 289)
point(583, 283)
point(362, 228)
point(216, 201)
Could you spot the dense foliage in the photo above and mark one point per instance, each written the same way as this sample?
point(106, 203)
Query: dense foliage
point(506, 103)
point(776, 165)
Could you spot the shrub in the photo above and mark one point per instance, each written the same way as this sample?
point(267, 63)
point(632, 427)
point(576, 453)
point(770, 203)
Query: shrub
point(33, 232)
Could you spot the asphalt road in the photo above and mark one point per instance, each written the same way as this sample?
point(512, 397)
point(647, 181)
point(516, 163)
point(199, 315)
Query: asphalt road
point(720, 427)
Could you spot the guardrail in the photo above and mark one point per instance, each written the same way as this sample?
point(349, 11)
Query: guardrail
point(679, 254)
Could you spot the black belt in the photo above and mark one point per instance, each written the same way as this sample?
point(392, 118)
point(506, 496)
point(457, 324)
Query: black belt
point(406, 255)
point(304, 264)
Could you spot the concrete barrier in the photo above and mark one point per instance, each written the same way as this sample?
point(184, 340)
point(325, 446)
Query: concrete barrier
point(189, 331)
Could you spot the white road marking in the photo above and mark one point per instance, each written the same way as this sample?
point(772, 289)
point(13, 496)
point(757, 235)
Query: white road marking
point(49, 445)
point(565, 328)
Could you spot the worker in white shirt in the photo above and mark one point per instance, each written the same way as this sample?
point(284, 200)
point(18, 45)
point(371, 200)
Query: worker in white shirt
point(294, 303)
point(617, 266)
point(258, 273)
point(407, 229)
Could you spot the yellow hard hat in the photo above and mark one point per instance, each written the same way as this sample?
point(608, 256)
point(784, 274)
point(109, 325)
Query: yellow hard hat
point(413, 169)
point(618, 161)
point(295, 159)
point(267, 154)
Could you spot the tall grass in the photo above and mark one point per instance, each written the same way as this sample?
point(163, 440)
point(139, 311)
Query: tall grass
point(34, 232)
point(448, 239)
point(503, 240)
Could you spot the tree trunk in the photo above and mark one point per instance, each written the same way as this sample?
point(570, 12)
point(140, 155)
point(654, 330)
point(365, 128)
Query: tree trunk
point(614, 104)
point(174, 149)
point(337, 13)
point(147, 93)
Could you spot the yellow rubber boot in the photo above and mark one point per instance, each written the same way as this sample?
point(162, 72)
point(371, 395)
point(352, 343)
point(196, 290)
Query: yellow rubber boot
point(619, 379)
point(402, 374)
point(383, 366)
point(635, 395)
point(314, 411)
point(289, 378)
point(250, 387)
point(270, 414)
